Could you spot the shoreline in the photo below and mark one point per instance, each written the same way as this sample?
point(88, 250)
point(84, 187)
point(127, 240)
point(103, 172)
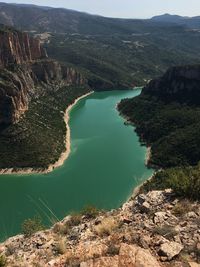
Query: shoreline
point(136, 190)
point(64, 155)
point(148, 156)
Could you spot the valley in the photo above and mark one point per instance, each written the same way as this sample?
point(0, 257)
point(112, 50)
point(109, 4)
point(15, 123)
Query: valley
point(99, 125)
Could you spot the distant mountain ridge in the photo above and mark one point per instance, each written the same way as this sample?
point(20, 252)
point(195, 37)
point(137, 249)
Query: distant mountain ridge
point(191, 22)
point(59, 20)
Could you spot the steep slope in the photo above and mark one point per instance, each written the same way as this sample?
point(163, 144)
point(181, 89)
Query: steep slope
point(24, 66)
point(155, 229)
point(167, 116)
point(40, 89)
point(178, 84)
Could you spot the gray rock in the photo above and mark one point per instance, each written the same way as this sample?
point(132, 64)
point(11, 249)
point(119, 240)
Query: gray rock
point(145, 207)
point(170, 249)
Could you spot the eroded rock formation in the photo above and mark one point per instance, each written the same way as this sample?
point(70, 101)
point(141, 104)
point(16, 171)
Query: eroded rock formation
point(24, 67)
point(180, 83)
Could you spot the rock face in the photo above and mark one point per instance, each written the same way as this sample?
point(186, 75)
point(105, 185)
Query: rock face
point(178, 83)
point(24, 67)
point(129, 256)
point(17, 48)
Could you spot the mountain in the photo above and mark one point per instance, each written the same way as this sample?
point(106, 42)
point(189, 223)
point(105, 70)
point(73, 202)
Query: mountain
point(111, 53)
point(34, 92)
point(190, 22)
point(179, 84)
point(167, 116)
point(170, 18)
point(24, 66)
point(60, 20)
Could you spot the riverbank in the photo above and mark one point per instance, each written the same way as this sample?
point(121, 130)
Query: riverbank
point(129, 122)
point(63, 156)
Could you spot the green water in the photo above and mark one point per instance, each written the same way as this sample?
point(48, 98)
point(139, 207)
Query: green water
point(105, 164)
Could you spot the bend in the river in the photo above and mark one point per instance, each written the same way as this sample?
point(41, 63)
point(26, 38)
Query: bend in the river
point(105, 164)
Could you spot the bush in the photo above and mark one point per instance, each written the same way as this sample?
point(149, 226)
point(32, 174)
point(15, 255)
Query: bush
point(182, 207)
point(60, 228)
point(61, 246)
point(31, 226)
point(106, 227)
point(185, 181)
point(75, 219)
point(2, 261)
point(112, 250)
point(90, 212)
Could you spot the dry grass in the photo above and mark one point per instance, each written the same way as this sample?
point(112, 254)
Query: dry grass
point(106, 227)
point(182, 207)
point(61, 246)
point(60, 228)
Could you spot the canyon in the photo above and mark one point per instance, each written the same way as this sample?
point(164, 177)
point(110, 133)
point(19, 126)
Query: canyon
point(26, 72)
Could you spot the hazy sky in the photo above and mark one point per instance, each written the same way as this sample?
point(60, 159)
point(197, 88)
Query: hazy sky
point(124, 8)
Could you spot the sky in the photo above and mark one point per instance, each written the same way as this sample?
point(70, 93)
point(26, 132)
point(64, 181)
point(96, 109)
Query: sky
point(124, 8)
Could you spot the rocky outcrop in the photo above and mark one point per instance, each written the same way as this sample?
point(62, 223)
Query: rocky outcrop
point(177, 84)
point(129, 256)
point(136, 239)
point(17, 47)
point(25, 72)
point(30, 80)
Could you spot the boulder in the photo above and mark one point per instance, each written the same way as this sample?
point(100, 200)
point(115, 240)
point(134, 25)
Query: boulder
point(134, 256)
point(145, 259)
point(145, 207)
point(170, 249)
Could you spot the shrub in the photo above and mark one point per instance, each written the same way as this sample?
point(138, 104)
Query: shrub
point(181, 208)
point(2, 261)
point(106, 226)
point(31, 226)
point(75, 219)
point(167, 231)
point(185, 181)
point(90, 212)
point(60, 228)
point(112, 250)
point(61, 246)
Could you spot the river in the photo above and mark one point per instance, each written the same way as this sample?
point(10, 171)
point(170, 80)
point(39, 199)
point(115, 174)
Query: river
point(105, 164)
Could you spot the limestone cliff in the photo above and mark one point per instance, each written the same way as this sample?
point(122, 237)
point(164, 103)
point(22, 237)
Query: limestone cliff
point(17, 47)
point(24, 67)
point(180, 83)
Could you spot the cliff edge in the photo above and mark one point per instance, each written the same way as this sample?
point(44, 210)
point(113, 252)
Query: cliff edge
point(24, 67)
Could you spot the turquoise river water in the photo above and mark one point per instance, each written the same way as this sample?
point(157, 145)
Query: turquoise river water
point(105, 164)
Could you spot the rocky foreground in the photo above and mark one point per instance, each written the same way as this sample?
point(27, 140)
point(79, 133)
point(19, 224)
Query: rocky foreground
point(151, 230)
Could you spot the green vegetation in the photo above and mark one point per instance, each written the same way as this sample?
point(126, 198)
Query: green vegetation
point(2, 261)
point(90, 212)
point(172, 129)
point(75, 219)
point(167, 118)
point(125, 59)
point(185, 181)
point(31, 226)
point(39, 138)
